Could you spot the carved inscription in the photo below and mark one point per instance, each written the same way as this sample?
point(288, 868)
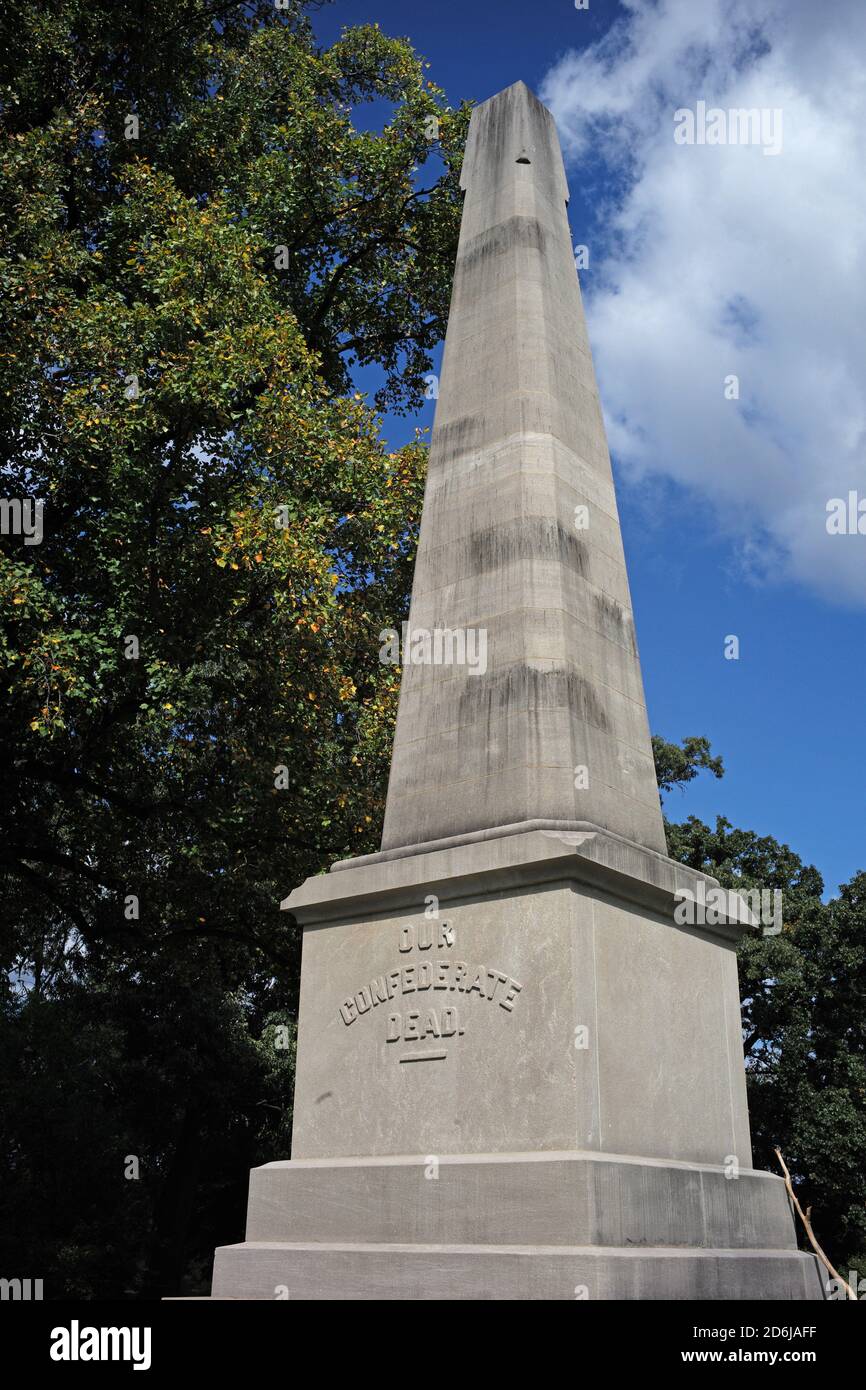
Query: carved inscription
point(426, 988)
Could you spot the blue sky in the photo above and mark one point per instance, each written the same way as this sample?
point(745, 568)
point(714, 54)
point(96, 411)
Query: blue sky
point(705, 262)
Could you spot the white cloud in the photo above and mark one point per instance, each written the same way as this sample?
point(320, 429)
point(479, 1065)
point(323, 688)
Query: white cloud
point(723, 260)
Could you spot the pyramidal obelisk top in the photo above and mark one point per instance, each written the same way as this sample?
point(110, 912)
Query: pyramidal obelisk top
point(521, 700)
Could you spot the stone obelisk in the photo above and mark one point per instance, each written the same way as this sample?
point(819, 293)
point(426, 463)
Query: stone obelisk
point(520, 536)
point(518, 1075)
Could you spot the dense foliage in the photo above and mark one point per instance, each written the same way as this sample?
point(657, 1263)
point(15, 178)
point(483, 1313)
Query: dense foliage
point(804, 1013)
point(208, 223)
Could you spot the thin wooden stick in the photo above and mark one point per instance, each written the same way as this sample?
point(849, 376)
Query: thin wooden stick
point(804, 1217)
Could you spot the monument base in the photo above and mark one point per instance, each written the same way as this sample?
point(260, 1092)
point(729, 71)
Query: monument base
point(523, 1015)
point(557, 1226)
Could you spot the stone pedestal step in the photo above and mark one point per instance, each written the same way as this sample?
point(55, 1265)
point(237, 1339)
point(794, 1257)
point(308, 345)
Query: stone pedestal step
point(535, 1199)
point(443, 1273)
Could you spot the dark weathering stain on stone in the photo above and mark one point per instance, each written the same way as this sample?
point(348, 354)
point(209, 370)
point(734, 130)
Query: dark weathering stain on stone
point(527, 687)
point(531, 537)
point(615, 622)
point(464, 435)
point(523, 233)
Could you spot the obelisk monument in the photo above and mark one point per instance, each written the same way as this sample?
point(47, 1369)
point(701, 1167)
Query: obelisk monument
point(518, 1075)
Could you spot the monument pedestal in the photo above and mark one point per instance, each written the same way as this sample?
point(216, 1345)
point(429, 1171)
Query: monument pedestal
point(514, 1226)
point(517, 1078)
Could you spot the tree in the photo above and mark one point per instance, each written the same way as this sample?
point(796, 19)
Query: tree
point(201, 240)
point(804, 1017)
point(678, 765)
